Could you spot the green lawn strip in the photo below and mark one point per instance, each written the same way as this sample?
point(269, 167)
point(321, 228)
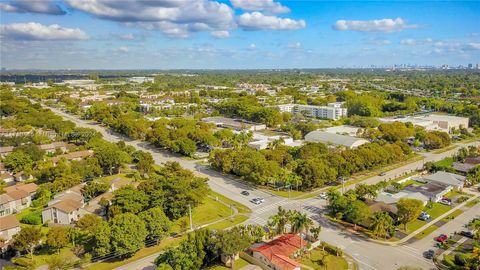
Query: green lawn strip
point(239, 264)
point(472, 203)
point(228, 223)
point(41, 256)
point(426, 232)
point(331, 262)
point(445, 149)
point(453, 215)
point(144, 252)
point(412, 226)
point(363, 176)
point(285, 193)
point(27, 211)
point(446, 162)
point(207, 212)
point(240, 207)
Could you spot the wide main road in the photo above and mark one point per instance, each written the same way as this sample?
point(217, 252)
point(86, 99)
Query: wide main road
point(369, 255)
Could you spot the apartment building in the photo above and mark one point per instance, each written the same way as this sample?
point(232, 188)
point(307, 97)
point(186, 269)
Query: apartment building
point(332, 111)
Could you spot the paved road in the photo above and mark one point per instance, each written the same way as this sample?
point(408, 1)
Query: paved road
point(370, 255)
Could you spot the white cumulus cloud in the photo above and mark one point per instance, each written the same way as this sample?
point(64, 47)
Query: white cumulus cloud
point(173, 18)
point(252, 46)
point(260, 5)
point(32, 6)
point(37, 31)
point(382, 25)
point(259, 21)
point(220, 34)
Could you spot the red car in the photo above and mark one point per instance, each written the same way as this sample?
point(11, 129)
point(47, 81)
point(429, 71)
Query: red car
point(441, 238)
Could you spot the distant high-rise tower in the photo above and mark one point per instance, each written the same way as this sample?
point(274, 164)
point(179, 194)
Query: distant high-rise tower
point(470, 66)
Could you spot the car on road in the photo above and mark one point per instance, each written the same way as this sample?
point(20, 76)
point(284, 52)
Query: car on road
point(469, 234)
point(424, 216)
point(382, 174)
point(257, 200)
point(441, 238)
point(246, 193)
point(429, 254)
point(323, 196)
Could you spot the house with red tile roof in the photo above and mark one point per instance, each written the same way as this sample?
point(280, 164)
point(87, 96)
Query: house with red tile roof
point(276, 253)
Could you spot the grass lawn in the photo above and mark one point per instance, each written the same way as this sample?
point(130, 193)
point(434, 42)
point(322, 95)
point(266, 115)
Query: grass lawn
point(472, 203)
point(228, 223)
point(331, 262)
point(437, 210)
point(27, 211)
point(455, 193)
point(239, 263)
point(446, 162)
point(411, 181)
point(412, 226)
point(452, 215)
point(445, 149)
point(108, 265)
point(285, 193)
point(44, 255)
point(209, 211)
point(426, 232)
point(240, 207)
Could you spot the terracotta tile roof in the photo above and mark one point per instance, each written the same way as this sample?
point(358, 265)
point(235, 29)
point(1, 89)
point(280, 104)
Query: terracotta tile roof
point(284, 262)
point(30, 187)
point(52, 146)
point(6, 149)
point(8, 222)
point(73, 155)
point(18, 194)
point(4, 198)
point(66, 205)
point(279, 250)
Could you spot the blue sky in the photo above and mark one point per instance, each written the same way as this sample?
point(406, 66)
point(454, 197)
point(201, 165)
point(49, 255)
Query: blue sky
point(173, 34)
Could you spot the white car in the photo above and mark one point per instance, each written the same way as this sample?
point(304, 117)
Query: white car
point(323, 196)
point(446, 202)
point(257, 200)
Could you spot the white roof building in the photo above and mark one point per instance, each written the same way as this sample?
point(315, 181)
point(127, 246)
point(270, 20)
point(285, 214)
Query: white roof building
point(319, 136)
point(451, 179)
point(343, 130)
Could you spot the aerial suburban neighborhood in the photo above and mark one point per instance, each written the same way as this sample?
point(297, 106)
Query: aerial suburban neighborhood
point(240, 134)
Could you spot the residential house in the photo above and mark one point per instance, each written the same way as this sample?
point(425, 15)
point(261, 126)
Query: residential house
point(469, 163)
point(451, 179)
point(7, 177)
point(236, 124)
point(21, 176)
point(65, 208)
point(435, 191)
point(77, 155)
point(52, 147)
point(9, 226)
point(16, 198)
point(276, 253)
point(393, 198)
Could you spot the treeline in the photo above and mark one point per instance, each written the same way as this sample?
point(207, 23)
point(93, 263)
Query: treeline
point(398, 131)
point(310, 166)
point(248, 108)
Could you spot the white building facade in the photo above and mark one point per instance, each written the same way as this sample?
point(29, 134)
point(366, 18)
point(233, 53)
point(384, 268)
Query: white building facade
point(333, 111)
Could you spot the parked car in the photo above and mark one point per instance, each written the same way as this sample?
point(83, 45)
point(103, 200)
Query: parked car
point(429, 254)
point(323, 196)
point(445, 202)
point(383, 174)
point(441, 238)
point(469, 234)
point(424, 216)
point(246, 193)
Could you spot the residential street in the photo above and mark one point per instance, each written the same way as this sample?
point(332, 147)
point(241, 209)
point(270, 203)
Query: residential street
point(369, 255)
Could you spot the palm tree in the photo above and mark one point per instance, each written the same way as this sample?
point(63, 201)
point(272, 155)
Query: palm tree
point(300, 222)
point(316, 232)
point(382, 224)
point(276, 143)
point(280, 220)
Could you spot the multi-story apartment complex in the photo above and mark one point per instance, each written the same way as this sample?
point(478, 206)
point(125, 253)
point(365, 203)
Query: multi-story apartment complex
point(332, 111)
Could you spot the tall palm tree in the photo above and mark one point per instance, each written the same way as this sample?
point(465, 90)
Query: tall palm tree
point(280, 220)
point(382, 224)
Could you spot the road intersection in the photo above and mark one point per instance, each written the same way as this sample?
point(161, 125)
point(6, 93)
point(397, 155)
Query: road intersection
point(369, 255)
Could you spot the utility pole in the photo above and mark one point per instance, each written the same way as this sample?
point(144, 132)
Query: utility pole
point(190, 214)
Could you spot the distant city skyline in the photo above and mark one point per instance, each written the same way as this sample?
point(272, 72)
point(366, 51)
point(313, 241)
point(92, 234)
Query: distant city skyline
point(236, 34)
